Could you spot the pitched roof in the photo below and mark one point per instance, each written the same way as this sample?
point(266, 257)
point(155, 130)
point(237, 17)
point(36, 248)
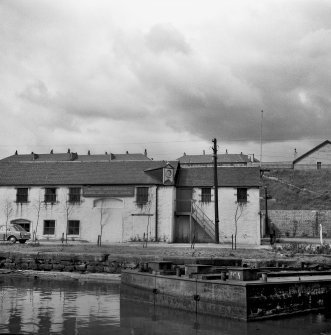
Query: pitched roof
point(227, 177)
point(80, 173)
point(311, 151)
point(221, 158)
point(67, 157)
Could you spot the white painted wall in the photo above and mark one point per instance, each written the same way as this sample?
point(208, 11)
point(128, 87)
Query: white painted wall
point(248, 227)
point(122, 219)
point(165, 212)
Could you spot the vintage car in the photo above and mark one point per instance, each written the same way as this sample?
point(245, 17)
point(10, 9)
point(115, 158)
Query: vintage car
point(14, 233)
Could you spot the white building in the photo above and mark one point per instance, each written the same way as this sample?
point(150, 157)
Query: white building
point(82, 197)
point(238, 199)
point(119, 200)
point(315, 159)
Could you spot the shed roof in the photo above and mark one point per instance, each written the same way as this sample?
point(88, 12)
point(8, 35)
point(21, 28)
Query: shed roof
point(80, 173)
point(311, 151)
point(227, 177)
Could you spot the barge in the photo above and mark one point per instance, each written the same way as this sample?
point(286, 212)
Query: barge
point(236, 292)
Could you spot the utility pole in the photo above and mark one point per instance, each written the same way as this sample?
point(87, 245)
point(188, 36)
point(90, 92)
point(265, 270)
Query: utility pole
point(266, 211)
point(261, 126)
point(217, 241)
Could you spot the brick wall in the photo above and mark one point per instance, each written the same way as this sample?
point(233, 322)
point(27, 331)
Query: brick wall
point(300, 223)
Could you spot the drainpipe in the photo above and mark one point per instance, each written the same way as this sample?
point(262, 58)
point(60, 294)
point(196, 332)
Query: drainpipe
point(156, 213)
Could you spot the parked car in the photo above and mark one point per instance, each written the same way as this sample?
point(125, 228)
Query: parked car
point(14, 233)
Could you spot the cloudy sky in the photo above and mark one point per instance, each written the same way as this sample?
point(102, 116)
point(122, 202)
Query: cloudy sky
point(165, 75)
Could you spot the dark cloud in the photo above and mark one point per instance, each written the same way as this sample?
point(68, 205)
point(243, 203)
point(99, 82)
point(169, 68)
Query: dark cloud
point(207, 72)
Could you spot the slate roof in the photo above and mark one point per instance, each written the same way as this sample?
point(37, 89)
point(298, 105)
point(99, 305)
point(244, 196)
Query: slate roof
point(221, 158)
point(312, 150)
point(227, 177)
point(67, 157)
point(80, 173)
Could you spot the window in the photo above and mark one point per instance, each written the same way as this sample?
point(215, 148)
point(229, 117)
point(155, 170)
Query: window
point(241, 194)
point(50, 194)
point(22, 194)
point(206, 194)
point(142, 195)
point(49, 227)
point(74, 194)
point(319, 165)
point(73, 227)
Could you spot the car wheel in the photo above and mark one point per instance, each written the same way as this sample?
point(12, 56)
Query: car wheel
point(22, 241)
point(12, 239)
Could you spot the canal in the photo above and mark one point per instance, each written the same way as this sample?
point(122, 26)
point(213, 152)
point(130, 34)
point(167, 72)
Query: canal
point(38, 306)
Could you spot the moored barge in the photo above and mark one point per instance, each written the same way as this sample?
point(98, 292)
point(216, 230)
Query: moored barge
point(230, 292)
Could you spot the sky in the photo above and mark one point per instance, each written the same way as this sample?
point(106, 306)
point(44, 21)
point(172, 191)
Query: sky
point(165, 75)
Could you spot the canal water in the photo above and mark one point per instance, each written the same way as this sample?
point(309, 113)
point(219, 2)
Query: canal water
point(39, 306)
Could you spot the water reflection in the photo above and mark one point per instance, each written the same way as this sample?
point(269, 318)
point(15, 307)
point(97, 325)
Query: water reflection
point(52, 307)
point(43, 307)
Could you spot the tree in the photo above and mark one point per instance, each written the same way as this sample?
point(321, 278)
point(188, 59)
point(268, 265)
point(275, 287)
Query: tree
point(102, 224)
point(237, 215)
point(8, 211)
point(68, 208)
point(37, 207)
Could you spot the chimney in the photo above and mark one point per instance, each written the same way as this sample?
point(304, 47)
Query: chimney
point(145, 152)
point(89, 152)
point(226, 151)
point(52, 152)
point(184, 153)
point(295, 153)
point(204, 152)
point(106, 153)
point(16, 153)
point(127, 152)
point(68, 151)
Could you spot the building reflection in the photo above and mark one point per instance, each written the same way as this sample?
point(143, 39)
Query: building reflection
point(44, 307)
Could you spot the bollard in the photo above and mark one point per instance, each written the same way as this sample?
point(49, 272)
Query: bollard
point(264, 276)
point(178, 274)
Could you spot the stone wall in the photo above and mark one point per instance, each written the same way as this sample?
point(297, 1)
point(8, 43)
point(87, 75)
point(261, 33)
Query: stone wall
point(300, 223)
point(67, 262)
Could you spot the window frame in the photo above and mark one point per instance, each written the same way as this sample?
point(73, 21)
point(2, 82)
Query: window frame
point(205, 196)
point(74, 197)
point(142, 195)
point(44, 227)
point(50, 198)
point(242, 195)
point(22, 198)
point(319, 165)
point(73, 228)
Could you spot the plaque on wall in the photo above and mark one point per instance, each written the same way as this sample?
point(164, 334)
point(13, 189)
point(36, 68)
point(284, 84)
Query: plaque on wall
point(108, 191)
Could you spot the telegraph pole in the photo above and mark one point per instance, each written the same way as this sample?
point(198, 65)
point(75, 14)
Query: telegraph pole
point(217, 241)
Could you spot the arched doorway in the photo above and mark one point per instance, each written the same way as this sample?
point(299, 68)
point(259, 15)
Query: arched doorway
point(25, 224)
point(110, 218)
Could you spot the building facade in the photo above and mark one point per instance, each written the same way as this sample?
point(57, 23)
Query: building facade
point(128, 200)
point(238, 203)
point(81, 200)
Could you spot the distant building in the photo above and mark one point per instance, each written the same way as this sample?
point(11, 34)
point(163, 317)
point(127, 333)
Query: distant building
point(315, 159)
point(73, 156)
point(225, 160)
